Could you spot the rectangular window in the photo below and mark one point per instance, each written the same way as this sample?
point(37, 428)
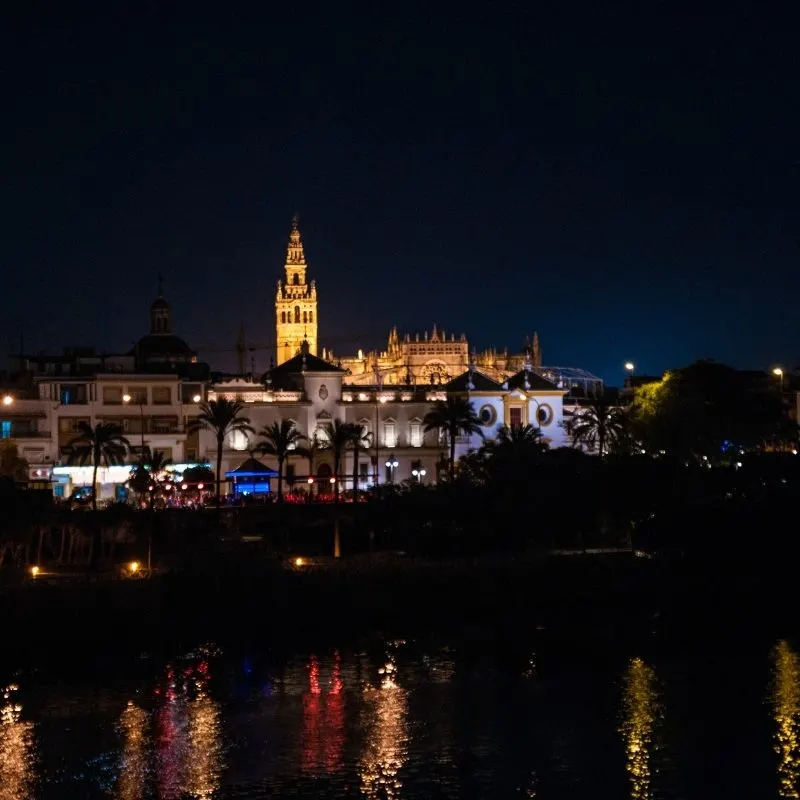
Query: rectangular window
point(415, 433)
point(5, 429)
point(162, 395)
point(363, 470)
point(65, 425)
point(515, 417)
point(112, 395)
point(389, 434)
point(163, 426)
point(138, 397)
point(72, 394)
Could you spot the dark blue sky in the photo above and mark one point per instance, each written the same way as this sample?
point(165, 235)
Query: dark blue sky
point(623, 181)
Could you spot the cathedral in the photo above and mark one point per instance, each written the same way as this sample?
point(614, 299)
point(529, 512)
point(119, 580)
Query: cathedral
point(409, 359)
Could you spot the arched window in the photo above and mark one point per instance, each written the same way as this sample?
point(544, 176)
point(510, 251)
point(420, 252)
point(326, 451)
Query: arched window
point(296, 280)
point(310, 316)
point(305, 317)
point(283, 317)
point(297, 313)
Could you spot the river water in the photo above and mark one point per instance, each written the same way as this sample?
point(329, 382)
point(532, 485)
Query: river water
point(407, 720)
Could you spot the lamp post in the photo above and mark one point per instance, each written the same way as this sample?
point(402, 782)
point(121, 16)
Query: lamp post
point(779, 372)
point(7, 400)
point(126, 398)
point(392, 464)
point(419, 474)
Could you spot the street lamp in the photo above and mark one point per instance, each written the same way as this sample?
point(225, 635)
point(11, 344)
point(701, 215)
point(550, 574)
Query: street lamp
point(196, 398)
point(630, 366)
point(392, 464)
point(126, 398)
point(779, 372)
point(7, 400)
point(419, 474)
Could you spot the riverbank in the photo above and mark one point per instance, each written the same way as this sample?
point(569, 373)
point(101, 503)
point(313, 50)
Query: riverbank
point(581, 601)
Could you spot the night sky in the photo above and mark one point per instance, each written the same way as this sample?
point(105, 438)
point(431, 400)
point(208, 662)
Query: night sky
point(623, 181)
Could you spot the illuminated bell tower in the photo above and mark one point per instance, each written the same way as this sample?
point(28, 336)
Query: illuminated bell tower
point(295, 303)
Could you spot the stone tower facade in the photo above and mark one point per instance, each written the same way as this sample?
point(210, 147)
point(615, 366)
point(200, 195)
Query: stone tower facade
point(295, 303)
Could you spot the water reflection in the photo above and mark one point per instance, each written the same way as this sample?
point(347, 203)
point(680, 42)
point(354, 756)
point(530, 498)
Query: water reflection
point(786, 713)
point(135, 761)
point(386, 744)
point(180, 743)
point(640, 712)
point(17, 750)
point(204, 748)
point(323, 718)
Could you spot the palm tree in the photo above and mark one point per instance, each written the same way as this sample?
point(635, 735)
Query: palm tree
point(280, 440)
point(598, 425)
point(340, 436)
point(144, 473)
point(359, 440)
point(221, 417)
point(455, 416)
point(519, 440)
point(103, 444)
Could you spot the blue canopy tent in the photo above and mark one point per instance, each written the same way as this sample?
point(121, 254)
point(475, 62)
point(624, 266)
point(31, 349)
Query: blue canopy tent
point(251, 478)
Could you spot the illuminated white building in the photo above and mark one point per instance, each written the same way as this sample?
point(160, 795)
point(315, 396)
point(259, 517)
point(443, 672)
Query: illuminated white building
point(312, 393)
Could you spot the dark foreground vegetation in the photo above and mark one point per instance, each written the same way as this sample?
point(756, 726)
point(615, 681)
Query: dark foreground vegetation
point(714, 555)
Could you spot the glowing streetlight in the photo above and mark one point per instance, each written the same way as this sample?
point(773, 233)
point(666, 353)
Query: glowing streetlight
point(7, 400)
point(298, 562)
point(133, 566)
point(126, 398)
point(196, 398)
point(630, 366)
point(200, 485)
point(310, 481)
point(778, 372)
point(34, 571)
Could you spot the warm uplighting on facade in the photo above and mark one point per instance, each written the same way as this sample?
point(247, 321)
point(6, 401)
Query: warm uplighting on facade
point(641, 712)
point(785, 697)
point(133, 566)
